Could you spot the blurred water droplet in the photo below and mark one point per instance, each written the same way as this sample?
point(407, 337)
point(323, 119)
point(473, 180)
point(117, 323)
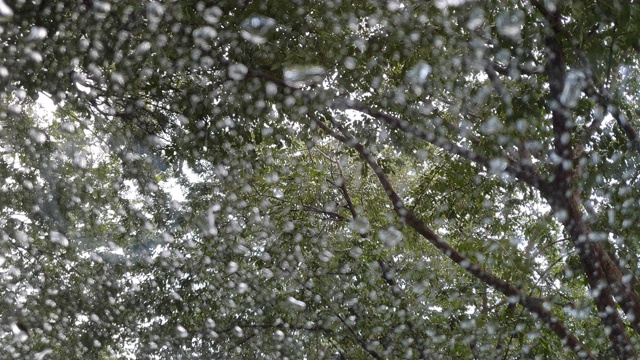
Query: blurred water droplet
point(360, 224)
point(19, 334)
point(212, 15)
point(181, 332)
point(298, 76)
point(509, 25)
point(232, 267)
point(255, 29)
point(68, 127)
point(117, 78)
point(58, 238)
point(497, 165)
point(295, 303)
point(143, 48)
point(37, 33)
point(80, 160)
point(205, 33)
point(237, 330)
point(350, 63)
point(35, 56)
point(38, 136)
point(391, 237)
point(21, 94)
point(42, 354)
point(417, 76)
point(278, 335)
point(237, 72)
point(5, 11)
point(573, 83)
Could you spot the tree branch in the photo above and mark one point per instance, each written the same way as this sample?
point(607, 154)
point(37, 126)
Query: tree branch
point(602, 273)
point(519, 170)
point(535, 305)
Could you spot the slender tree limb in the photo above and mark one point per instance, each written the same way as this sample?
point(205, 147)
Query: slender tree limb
point(519, 170)
point(359, 340)
point(535, 305)
point(603, 275)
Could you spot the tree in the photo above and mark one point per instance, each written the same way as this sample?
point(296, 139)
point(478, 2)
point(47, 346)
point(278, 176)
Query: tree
point(369, 179)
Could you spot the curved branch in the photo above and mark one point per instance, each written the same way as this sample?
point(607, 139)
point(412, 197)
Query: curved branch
point(533, 304)
point(520, 170)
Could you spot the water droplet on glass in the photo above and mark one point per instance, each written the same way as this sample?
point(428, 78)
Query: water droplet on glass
point(143, 48)
point(212, 15)
point(509, 25)
point(68, 127)
point(35, 56)
point(181, 332)
point(5, 11)
point(391, 236)
point(58, 238)
point(497, 165)
point(419, 73)
point(37, 33)
point(295, 303)
point(232, 267)
point(278, 335)
point(205, 33)
point(38, 136)
point(255, 29)
point(237, 72)
point(360, 224)
point(298, 76)
point(42, 354)
point(237, 330)
point(572, 89)
point(117, 78)
point(80, 160)
point(19, 334)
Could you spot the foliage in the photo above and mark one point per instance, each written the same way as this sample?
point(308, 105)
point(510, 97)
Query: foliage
point(318, 179)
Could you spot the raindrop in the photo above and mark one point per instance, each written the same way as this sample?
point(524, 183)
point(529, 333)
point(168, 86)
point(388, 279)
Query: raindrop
point(255, 29)
point(572, 89)
point(117, 78)
point(350, 63)
point(278, 335)
point(497, 165)
point(42, 354)
point(21, 94)
point(80, 160)
point(205, 33)
point(38, 136)
point(58, 238)
point(476, 19)
point(238, 72)
point(143, 48)
point(181, 332)
point(298, 76)
point(360, 224)
point(417, 76)
point(391, 237)
point(232, 267)
point(509, 25)
point(37, 33)
point(5, 11)
point(212, 15)
point(295, 303)
point(35, 56)
point(237, 330)
point(68, 127)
